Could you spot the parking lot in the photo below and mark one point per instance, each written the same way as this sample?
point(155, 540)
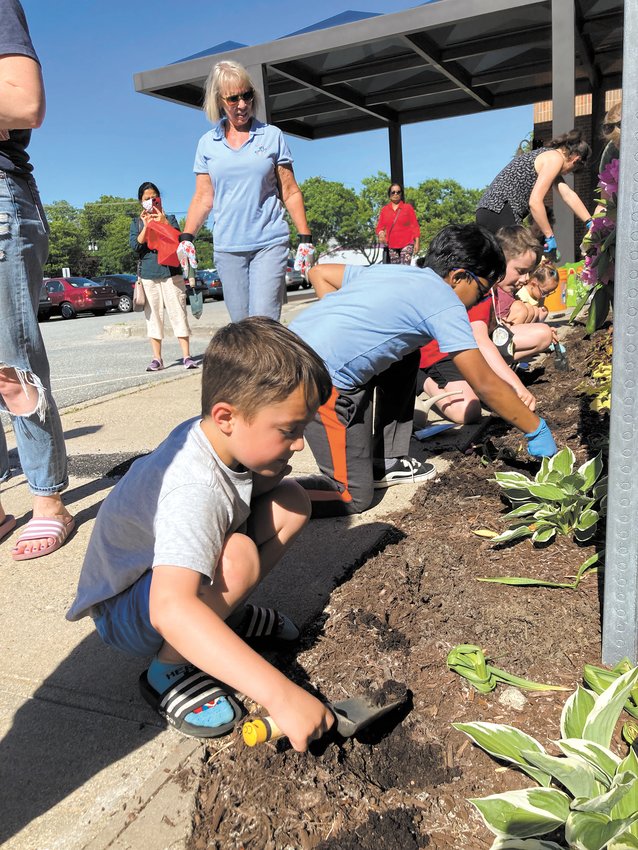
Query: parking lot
point(92, 356)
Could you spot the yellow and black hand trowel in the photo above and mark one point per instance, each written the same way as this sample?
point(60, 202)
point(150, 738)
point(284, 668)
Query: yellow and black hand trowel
point(352, 715)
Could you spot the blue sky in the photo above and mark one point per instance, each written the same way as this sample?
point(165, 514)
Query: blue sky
point(101, 137)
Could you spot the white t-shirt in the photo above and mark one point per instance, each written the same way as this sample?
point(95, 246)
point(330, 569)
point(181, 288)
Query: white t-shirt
point(174, 507)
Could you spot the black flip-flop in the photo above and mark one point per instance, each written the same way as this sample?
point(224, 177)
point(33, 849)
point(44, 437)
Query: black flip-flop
point(263, 625)
point(192, 690)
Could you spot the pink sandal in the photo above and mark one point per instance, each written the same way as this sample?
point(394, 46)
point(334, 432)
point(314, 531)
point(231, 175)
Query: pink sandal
point(7, 525)
point(41, 528)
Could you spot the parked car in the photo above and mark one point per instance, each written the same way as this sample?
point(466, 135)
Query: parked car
point(124, 285)
point(72, 295)
point(212, 281)
point(44, 306)
point(294, 279)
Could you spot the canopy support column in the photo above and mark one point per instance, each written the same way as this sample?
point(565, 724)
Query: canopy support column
point(563, 94)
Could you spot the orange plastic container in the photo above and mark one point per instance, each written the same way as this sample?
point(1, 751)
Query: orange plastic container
point(556, 301)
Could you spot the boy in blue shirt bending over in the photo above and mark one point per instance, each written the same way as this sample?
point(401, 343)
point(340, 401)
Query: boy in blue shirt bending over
point(192, 528)
point(368, 328)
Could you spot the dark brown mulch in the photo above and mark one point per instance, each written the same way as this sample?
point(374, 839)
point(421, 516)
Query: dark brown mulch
point(404, 782)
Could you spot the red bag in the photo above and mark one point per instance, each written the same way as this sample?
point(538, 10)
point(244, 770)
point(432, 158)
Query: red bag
point(164, 239)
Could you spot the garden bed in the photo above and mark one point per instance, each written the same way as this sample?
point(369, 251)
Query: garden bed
point(403, 783)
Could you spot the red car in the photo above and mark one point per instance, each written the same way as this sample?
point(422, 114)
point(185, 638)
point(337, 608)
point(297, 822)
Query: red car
point(72, 295)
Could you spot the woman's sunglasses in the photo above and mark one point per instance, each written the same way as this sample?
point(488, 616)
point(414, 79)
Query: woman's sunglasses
point(609, 128)
point(396, 193)
point(246, 96)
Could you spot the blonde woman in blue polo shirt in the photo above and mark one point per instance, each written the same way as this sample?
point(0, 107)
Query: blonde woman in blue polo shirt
point(244, 175)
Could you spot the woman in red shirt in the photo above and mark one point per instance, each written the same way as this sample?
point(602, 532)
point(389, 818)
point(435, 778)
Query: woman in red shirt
point(398, 228)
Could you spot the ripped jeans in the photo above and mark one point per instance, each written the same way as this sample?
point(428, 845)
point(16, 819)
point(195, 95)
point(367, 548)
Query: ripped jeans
point(24, 245)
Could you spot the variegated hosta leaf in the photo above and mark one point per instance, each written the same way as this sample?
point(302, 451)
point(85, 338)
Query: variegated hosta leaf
point(627, 841)
point(591, 831)
point(587, 519)
point(543, 535)
point(590, 471)
point(604, 803)
point(563, 461)
point(572, 773)
point(551, 492)
point(527, 509)
point(603, 717)
point(516, 533)
point(511, 479)
point(575, 712)
point(604, 762)
point(525, 844)
point(600, 488)
point(629, 803)
point(506, 743)
point(573, 483)
point(524, 814)
point(543, 472)
point(517, 495)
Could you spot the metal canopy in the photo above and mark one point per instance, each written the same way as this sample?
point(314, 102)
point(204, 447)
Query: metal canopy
point(441, 59)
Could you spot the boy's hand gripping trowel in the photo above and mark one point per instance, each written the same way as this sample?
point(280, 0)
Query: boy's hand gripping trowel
point(352, 715)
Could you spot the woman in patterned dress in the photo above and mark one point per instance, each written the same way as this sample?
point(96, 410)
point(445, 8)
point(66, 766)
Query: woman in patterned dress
point(520, 188)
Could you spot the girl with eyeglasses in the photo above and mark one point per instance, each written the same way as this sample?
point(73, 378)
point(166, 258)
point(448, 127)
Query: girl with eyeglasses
point(398, 228)
point(520, 188)
point(244, 174)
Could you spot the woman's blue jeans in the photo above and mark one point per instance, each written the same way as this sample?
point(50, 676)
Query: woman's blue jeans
point(24, 245)
point(254, 281)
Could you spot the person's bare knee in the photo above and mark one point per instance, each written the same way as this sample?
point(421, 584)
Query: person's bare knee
point(22, 392)
point(238, 571)
point(281, 513)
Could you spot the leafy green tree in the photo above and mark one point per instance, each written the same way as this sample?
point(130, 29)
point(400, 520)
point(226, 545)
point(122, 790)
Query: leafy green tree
point(333, 213)
point(441, 202)
point(114, 252)
point(66, 247)
point(204, 248)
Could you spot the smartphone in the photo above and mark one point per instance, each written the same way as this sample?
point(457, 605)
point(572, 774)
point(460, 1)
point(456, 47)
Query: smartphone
point(157, 204)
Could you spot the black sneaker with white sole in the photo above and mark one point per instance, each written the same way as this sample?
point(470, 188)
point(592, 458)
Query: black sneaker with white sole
point(405, 470)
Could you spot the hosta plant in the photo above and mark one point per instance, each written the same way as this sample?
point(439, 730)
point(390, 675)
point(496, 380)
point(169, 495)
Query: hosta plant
point(560, 499)
point(588, 796)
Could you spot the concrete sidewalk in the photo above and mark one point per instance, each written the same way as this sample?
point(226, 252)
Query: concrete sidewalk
point(84, 763)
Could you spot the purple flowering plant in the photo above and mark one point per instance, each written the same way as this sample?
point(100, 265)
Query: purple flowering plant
point(599, 248)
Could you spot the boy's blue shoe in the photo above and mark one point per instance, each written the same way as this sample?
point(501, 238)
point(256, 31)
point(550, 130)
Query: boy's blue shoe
point(186, 696)
point(261, 625)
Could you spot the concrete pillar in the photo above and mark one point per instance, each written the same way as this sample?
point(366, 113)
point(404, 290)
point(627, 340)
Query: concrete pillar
point(620, 611)
point(563, 93)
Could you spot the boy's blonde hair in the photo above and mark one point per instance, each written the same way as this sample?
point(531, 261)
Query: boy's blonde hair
point(516, 240)
point(225, 75)
point(258, 362)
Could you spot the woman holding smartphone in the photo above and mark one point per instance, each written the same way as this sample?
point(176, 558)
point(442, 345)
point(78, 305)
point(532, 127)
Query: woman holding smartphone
point(164, 287)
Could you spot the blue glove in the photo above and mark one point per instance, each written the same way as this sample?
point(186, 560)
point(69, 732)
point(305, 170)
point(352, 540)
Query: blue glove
point(550, 244)
point(540, 442)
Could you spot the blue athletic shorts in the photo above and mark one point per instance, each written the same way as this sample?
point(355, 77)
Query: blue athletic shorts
point(124, 621)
